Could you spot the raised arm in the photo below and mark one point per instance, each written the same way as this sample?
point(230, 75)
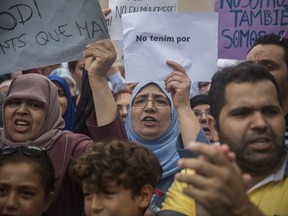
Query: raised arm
point(100, 57)
point(178, 84)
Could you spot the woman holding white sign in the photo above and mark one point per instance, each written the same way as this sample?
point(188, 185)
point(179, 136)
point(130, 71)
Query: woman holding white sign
point(158, 112)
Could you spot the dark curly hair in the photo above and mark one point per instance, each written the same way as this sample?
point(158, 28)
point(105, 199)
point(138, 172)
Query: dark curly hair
point(126, 163)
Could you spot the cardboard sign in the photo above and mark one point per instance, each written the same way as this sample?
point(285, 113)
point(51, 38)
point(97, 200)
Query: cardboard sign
point(36, 33)
point(242, 21)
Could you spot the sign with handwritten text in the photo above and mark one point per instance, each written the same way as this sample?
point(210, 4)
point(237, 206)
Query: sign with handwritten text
point(189, 39)
point(36, 33)
point(120, 7)
point(242, 21)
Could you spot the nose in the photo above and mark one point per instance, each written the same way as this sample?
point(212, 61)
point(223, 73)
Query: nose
point(150, 106)
point(203, 117)
point(124, 111)
point(22, 109)
point(258, 121)
point(12, 202)
point(96, 204)
point(150, 102)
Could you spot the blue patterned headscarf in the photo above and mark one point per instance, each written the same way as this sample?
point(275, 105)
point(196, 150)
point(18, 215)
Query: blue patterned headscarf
point(69, 114)
point(164, 147)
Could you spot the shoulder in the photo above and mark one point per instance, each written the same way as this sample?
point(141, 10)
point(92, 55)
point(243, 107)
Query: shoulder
point(176, 201)
point(170, 213)
point(74, 143)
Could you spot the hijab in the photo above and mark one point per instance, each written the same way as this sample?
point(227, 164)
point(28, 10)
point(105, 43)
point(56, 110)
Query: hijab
point(64, 73)
point(40, 88)
point(85, 107)
point(165, 146)
point(69, 114)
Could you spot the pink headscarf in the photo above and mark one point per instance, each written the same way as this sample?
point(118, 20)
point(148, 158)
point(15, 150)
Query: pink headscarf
point(37, 87)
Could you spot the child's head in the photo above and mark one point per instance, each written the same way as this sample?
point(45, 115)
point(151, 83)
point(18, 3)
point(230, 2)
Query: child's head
point(117, 177)
point(26, 181)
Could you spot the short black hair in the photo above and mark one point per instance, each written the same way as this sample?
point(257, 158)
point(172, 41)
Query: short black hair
point(199, 100)
point(273, 39)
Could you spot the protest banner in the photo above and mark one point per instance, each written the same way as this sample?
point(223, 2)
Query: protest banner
point(36, 33)
point(120, 7)
point(242, 21)
point(187, 38)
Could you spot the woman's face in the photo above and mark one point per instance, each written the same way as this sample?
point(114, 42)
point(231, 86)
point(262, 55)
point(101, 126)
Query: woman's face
point(78, 72)
point(24, 119)
point(122, 102)
point(62, 99)
point(151, 121)
point(21, 191)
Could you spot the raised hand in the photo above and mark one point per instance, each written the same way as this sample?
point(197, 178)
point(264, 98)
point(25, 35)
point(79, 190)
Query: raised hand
point(100, 57)
point(217, 184)
point(178, 84)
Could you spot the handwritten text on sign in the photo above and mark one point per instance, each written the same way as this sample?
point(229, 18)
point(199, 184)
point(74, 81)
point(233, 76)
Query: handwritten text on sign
point(35, 33)
point(120, 7)
point(242, 21)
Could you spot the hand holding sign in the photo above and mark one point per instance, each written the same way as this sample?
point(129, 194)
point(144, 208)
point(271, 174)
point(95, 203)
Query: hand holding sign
point(178, 84)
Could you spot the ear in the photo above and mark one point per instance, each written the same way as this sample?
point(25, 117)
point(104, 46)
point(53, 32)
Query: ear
point(145, 195)
point(48, 199)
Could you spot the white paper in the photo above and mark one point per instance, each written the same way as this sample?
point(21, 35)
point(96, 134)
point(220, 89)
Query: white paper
point(189, 39)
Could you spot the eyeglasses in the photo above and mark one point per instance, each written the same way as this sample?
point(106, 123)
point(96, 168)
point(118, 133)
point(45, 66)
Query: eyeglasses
point(203, 84)
point(159, 102)
point(198, 113)
point(26, 150)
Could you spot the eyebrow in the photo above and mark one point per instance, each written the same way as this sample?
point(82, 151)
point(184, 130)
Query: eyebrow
point(261, 108)
point(267, 61)
point(197, 109)
point(4, 184)
point(24, 186)
point(154, 95)
point(28, 187)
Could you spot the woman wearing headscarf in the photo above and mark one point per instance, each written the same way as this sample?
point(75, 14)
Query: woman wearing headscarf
point(65, 99)
point(32, 116)
point(152, 117)
point(158, 112)
point(64, 73)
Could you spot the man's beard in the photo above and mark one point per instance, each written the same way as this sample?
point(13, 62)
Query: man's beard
point(247, 159)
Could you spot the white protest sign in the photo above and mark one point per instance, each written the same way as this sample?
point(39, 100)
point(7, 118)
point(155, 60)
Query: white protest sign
point(120, 7)
point(191, 39)
point(36, 33)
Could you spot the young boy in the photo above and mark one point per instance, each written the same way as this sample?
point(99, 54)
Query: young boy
point(117, 178)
